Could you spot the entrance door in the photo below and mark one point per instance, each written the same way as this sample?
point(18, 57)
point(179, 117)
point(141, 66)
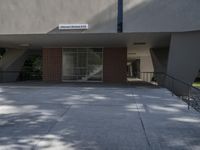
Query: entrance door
point(82, 64)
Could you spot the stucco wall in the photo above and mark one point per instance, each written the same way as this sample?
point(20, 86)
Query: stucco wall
point(184, 58)
point(160, 59)
point(146, 64)
point(44, 16)
point(161, 15)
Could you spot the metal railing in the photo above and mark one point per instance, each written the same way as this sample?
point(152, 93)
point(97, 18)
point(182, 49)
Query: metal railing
point(188, 93)
point(151, 77)
point(7, 76)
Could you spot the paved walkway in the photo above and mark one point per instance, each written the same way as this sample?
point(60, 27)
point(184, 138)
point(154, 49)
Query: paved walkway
point(60, 117)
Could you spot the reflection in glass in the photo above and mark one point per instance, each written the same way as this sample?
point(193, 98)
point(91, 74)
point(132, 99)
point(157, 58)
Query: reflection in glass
point(83, 64)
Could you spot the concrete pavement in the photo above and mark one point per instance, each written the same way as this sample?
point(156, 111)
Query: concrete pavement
point(89, 117)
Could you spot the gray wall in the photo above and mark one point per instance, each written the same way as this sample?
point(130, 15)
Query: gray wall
point(161, 15)
point(44, 16)
point(184, 58)
point(160, 59)
point(12, 63)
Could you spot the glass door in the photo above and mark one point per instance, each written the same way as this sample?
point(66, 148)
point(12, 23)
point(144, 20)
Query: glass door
point(82, 64)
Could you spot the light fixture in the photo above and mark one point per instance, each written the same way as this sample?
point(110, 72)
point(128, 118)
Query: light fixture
point(139, 43)
point(25, 45)
point(131, 53)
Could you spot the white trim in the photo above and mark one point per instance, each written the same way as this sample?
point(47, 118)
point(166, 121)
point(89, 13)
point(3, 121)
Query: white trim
point(73, 26)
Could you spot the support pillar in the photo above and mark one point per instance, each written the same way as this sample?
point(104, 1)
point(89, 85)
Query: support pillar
point(184, 59)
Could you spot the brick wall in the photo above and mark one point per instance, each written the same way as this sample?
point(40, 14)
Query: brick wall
point(115, 69)
point(52, 64)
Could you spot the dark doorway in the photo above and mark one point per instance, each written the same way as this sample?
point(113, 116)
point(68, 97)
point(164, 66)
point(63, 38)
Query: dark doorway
point(32, 69)
point(133, 69)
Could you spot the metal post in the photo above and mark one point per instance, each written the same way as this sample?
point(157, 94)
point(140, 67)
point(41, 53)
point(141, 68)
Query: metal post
point(189, 94)
point(142, 76)
point(172, 87)
point(120, 16)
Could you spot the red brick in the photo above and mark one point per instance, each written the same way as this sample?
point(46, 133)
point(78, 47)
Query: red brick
point(115, 65)
point(52, 64)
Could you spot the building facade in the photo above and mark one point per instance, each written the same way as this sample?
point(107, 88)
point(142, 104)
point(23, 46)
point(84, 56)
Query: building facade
point(99, 40)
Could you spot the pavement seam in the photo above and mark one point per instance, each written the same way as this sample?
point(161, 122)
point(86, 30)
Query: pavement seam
point(142, 123)
point(35, 147)
point(57, 120)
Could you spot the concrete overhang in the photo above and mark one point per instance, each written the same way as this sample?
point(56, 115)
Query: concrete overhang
point(38, 41)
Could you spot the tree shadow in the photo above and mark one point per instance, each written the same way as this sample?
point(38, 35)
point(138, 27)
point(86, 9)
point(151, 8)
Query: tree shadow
point(94, 117)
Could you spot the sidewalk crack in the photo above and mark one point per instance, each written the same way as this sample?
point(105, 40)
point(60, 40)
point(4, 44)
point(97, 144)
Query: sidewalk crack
point(142, 123)
point(57, 120)
point(35, 147)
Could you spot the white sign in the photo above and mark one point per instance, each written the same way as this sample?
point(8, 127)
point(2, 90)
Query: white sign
point(73, 26)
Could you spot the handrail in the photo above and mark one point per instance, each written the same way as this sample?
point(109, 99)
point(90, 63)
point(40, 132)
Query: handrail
point(191, 95)
point(182, 82)
point(19, 75)
point(165, 74)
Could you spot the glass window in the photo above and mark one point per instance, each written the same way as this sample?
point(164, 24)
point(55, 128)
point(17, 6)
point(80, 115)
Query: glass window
point(83, 64)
